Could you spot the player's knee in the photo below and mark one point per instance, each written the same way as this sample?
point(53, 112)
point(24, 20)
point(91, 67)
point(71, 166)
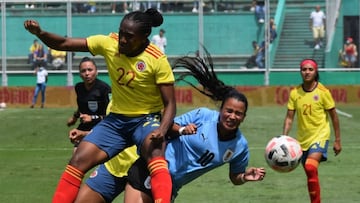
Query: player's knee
point(311, 168)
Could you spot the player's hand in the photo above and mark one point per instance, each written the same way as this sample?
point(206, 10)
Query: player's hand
point(189, 129)
point(337, 147)
point(32, 26)
point(156, 137)
point(255, 174)
point(85, 118)
point(71, 121)
point(76, 135)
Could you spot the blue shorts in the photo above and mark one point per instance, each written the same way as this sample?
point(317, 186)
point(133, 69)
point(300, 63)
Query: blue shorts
point(104, 183)
point(321, 146)
point(117, 132)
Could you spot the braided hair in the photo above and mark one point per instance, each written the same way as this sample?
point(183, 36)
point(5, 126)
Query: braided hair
point(203, 71)
point(146, 20)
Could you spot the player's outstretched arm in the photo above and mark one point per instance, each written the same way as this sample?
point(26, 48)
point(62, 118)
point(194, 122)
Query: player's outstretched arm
point(55, 41)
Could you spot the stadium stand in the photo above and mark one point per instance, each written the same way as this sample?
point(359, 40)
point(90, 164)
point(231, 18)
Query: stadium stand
point(221, 62)
point(295, 41)
point(183, 6)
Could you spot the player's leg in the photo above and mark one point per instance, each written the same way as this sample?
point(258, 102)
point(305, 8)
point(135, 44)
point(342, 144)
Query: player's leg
point(316, 154)
point(101, 187)
point(138, 187)
point(86, 156)
point(103, 142)
point(153, 151)
point(88, 195)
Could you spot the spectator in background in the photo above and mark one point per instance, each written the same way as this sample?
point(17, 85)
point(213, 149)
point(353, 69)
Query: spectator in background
point(41, 80)
point(153, 4)
point(34, 46)
point(40, 57)
point(317, 25)
point(350, 53)
point(195, 6)
point(251, 62)
point(260, 56)
point(30, 5)
point(259, 10)
point(160, 40)
point(272, 27)
point(116, 7)
point(87, 7)
point(57, 58)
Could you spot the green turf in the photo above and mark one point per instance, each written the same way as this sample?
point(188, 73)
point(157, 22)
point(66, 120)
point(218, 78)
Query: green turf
point(34, 150)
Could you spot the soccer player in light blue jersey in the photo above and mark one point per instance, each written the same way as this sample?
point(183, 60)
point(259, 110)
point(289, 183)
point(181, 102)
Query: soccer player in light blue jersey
point(211, 138)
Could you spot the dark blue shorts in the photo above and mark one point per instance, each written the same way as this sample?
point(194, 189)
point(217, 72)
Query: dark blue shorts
point(104, 183)
point(321, 146)
point(117, 132)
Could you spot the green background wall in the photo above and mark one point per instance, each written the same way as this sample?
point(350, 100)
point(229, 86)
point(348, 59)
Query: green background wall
point(224, 34)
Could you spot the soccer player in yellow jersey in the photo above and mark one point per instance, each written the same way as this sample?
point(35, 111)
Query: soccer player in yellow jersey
point(313, 105)
point(142, 85)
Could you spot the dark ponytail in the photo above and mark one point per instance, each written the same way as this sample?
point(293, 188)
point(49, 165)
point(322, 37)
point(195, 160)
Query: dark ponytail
point(203, 71)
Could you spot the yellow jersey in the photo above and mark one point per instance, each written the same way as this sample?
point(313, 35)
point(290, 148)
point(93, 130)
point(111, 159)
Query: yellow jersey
point(134, 80)
point(120, 164)
point(312, 118)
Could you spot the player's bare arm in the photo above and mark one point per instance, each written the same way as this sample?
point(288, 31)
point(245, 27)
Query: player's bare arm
point(55, 41)
point(336, 125)
point(288, 121)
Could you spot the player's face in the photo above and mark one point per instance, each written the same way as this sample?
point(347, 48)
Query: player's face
point(131, 41)
point(232, 114)
point(88, 72)
point(308, 73)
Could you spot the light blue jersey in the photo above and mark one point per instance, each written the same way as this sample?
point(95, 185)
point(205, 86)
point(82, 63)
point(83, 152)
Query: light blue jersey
point(191, 156)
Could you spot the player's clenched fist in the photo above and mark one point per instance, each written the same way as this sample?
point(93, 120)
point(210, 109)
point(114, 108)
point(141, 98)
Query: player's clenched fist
point(32, 26)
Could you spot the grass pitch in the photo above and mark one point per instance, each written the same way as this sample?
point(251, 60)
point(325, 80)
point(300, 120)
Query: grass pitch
point(34, 150)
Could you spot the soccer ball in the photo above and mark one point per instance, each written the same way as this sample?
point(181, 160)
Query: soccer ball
point(283, 153)
point(2, 105)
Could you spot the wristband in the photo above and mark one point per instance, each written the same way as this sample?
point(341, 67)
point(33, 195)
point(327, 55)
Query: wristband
point(94, 117)
point(242, 178)
point(181, 129)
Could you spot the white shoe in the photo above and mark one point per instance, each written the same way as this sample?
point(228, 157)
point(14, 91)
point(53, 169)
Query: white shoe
point(261, 20)
point(113, 11)
point(317, 46)
point(194, 10)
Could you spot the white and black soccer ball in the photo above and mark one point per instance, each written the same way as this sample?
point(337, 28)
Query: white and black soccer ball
point(2, 105)
point(283, 153)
